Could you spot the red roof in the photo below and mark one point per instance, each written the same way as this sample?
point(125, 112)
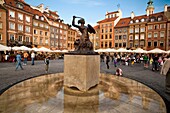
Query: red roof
point(13, 3)
point(96, 27)
point(37, 12)
point(54, 13)
point(123, 22)
point(107, 20)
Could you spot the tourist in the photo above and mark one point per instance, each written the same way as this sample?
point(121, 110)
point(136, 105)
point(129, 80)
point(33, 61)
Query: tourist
point(18, 58)
point(119, 72)
point(32, 57)
point(107, 61)
point(145, 60)
point(25, 58)
point(166, 71)
point(155, 63)
point(115, 61)
point(46, 61)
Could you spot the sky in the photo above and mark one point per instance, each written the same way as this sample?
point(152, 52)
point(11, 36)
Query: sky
point(94, 10)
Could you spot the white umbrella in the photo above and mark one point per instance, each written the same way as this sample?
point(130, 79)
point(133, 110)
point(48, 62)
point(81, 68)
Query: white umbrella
point(4, 48)
point(45, 49)
point(35, 49)
point(56, 51)
point(25, 48)
point(168, 51)
point(123, 50)
point(110, 50)
point(139, 50)
point(156, 50)
point(16, 48)
point(64, 51)
point(100, 50)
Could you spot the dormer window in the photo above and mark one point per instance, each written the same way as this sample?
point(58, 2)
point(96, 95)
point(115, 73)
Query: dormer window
point(42, 18)
point(37, 17)
point(137, 21)
point(131, 21)
point(20, 5)
point(152, 19)
point(142, 20)
point(159, 18)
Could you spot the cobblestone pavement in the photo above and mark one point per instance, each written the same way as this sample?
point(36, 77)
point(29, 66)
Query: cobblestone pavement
point(9, 77)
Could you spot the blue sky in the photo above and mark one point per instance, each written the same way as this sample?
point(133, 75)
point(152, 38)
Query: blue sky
point(95, 10)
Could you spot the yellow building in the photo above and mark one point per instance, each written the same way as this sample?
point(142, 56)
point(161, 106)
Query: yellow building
point(72, 34)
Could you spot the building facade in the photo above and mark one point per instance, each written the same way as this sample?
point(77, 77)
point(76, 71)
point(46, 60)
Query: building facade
point(121, 32)
point(107, 28)
point(19, 21)
point(3, 23)
point(72, 34)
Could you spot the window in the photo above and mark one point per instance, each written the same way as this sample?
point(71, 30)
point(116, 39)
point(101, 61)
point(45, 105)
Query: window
point(20, 16)
point(27, 39)
point(20, 6)
point(162, 34)
point(136, 30)
point(42, 18)
point(41, 25)
point(161, 43)
point(52, 43)
point(35, 39)
point(0, 25)
point(0, 36)
point(136, 37)
point(20, 27)
point(120, 37)
point(116, 44)
point(27, 29)
point(101, 44)
point(156, 27)
point(27, 19)
point(35, 24)
point(137, 21)
point(162, 26)
point(12, 25)
point(131, 21)
point(136, 45)
point(155, 35)
point(124, 37)
point(46, 26)
point(52, 35)
point(149, 27)
point(35, 31)
point(159, 18)
point(41, 33)
point(142, 36)
point(46, 41)
point(142, 29)
point(130, 37)
point(124, 44)
point(142, 20)
point(46, 33)
point(37, 17)
point(102, 37)
point(110, 44)
point(155, 44)
point(152, 19)
point(20, 38)
point(120, 44)
point(41, 40)
point(105, 36)
point(131, 44)
point(12, 14)
point(110, 36)
point(110, 30)
point(149, 35)
point(116, 37)
point(149, 44)
point(131, 30)
point(125, 30)
point(120, 31)
point(12, 37)
point(0, 14)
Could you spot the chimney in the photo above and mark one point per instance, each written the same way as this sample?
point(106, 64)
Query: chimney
point(132, 15)
point(165, 8)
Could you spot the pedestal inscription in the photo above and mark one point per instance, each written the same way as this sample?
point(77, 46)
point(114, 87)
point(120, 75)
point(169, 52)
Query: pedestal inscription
point(81, 71)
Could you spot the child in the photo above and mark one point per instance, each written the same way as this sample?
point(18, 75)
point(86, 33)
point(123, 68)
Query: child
point(46, 61)
point(119, 72)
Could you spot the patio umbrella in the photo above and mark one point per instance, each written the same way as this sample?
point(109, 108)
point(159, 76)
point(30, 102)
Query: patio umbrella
point(100, 50)
point(139, 50)
point(122, 50)
point(25, 48)
point(4, 48)
point(110, 50)
point(35, 49)
point(45, 49)
point(16, 48)
point(156, 50)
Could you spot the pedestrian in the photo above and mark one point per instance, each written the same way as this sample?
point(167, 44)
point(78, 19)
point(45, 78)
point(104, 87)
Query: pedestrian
point(19, 59)
point(115, 61)
point(155, 63)
point(165, 70)
point(119, 72)
point(32, 57)
point(145, 60)
point(107, 61)
point(25, 58)
point(46, 61)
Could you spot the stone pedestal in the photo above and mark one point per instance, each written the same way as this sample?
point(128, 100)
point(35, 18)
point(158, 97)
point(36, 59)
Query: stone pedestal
point(81, 71)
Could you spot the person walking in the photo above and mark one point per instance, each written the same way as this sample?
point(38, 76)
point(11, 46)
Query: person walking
point(18, 59)
point(165, 70)
point(32, 57)
point(107, 61)
point(46, 61)
point(25, 58)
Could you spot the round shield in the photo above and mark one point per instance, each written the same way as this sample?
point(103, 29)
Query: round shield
point(91, 29)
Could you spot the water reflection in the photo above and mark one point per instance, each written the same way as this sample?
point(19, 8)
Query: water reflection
point(114, 94)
